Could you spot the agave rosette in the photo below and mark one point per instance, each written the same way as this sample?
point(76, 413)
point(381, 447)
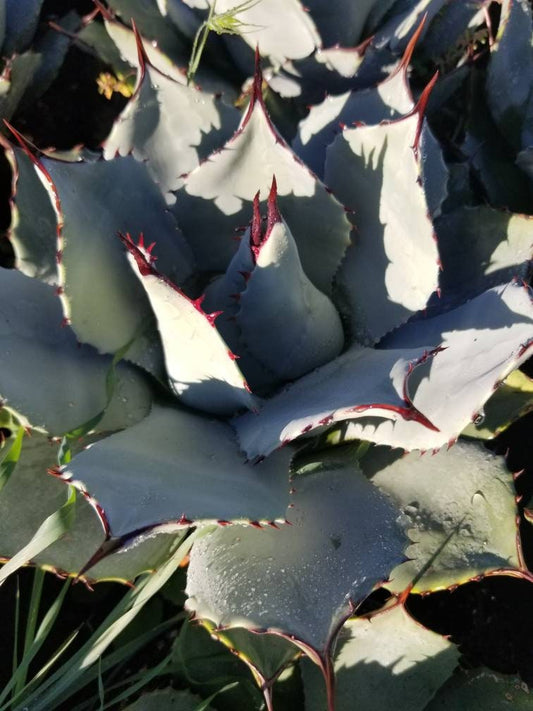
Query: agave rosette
point(327, 317)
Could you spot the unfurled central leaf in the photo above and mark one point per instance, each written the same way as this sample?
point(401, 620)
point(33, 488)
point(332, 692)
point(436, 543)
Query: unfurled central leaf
point(278, 322)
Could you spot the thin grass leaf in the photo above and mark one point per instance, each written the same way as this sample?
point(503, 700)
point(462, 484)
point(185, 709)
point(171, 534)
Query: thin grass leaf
point(205, 703)
point(16, 628)
point(61, 683)
point(52, 528)
point(223, 23)
point(31, 624)
point(101, 691)
point(31, 648)
point(43, 671)
point(145, 679)
point(116, 661)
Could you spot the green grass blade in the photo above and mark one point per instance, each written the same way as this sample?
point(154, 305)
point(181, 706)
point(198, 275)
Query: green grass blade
point(67, 676)
point(145, 679)
point(31, 625)
point(115, 659)
point(16, 628)
point(18, 679)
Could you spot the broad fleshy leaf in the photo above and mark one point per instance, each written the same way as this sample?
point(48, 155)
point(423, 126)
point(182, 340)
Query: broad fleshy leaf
point(341, 22)
point(481, 247)
point(267, 655)
point(490, 157)
point(388, 661)
point(482, 690)
point(459, 509)
point(388, 100)
point(15, 79)
point(360, 382)
point(419, 391)
point(392, 267)
point(512, 400)
point(279, 324)
point(280, 28)
point(201, 369)
point(163, 47)
point(147, 126)
point(216, 197)
point(197, 656)
point(21, 19)
point(33, 222)
point(509, 72)
point(94, 201)
point(70, 554)
point(272, 580)
point(286, 323)
point(177, 467)
point(152, 25)
point(69, 386)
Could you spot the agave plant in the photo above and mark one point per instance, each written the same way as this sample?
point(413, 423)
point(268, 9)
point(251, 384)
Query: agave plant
point(226, 344)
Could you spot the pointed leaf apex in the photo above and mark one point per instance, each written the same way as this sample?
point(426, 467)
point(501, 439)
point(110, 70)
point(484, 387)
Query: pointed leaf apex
point(407, 55)
point(420, 110)
point(137, 252)
point(273, 212)
point(23, 143)
point(104, 11)
point(141, 54)
point(255, 228)
point(257, 89)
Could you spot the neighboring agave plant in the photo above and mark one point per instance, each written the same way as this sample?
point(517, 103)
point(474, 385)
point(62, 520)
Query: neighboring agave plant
point(29, 64)
point(214, 368)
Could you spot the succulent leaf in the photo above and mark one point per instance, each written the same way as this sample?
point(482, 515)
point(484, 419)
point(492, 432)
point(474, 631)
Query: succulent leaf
point(21, 19)
point(69, 386)
point(479, 689)
point(267, 655)
point(146, 127)
point(69, 554)
point(272, 580)
point(387, 661)
point(459, 508)
point(216, 197)
point(399, 244)
point(152, 25)
point(179, 468)
point(360, 382)
point(387, 100)
point(94, 201)
point(286, 323)
point(201, 369)
point(33, 222)
point(417, 392)
point(488, 154)
point(281, 28)
point(481, 247)
point(512, 400)
point(511, 64)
